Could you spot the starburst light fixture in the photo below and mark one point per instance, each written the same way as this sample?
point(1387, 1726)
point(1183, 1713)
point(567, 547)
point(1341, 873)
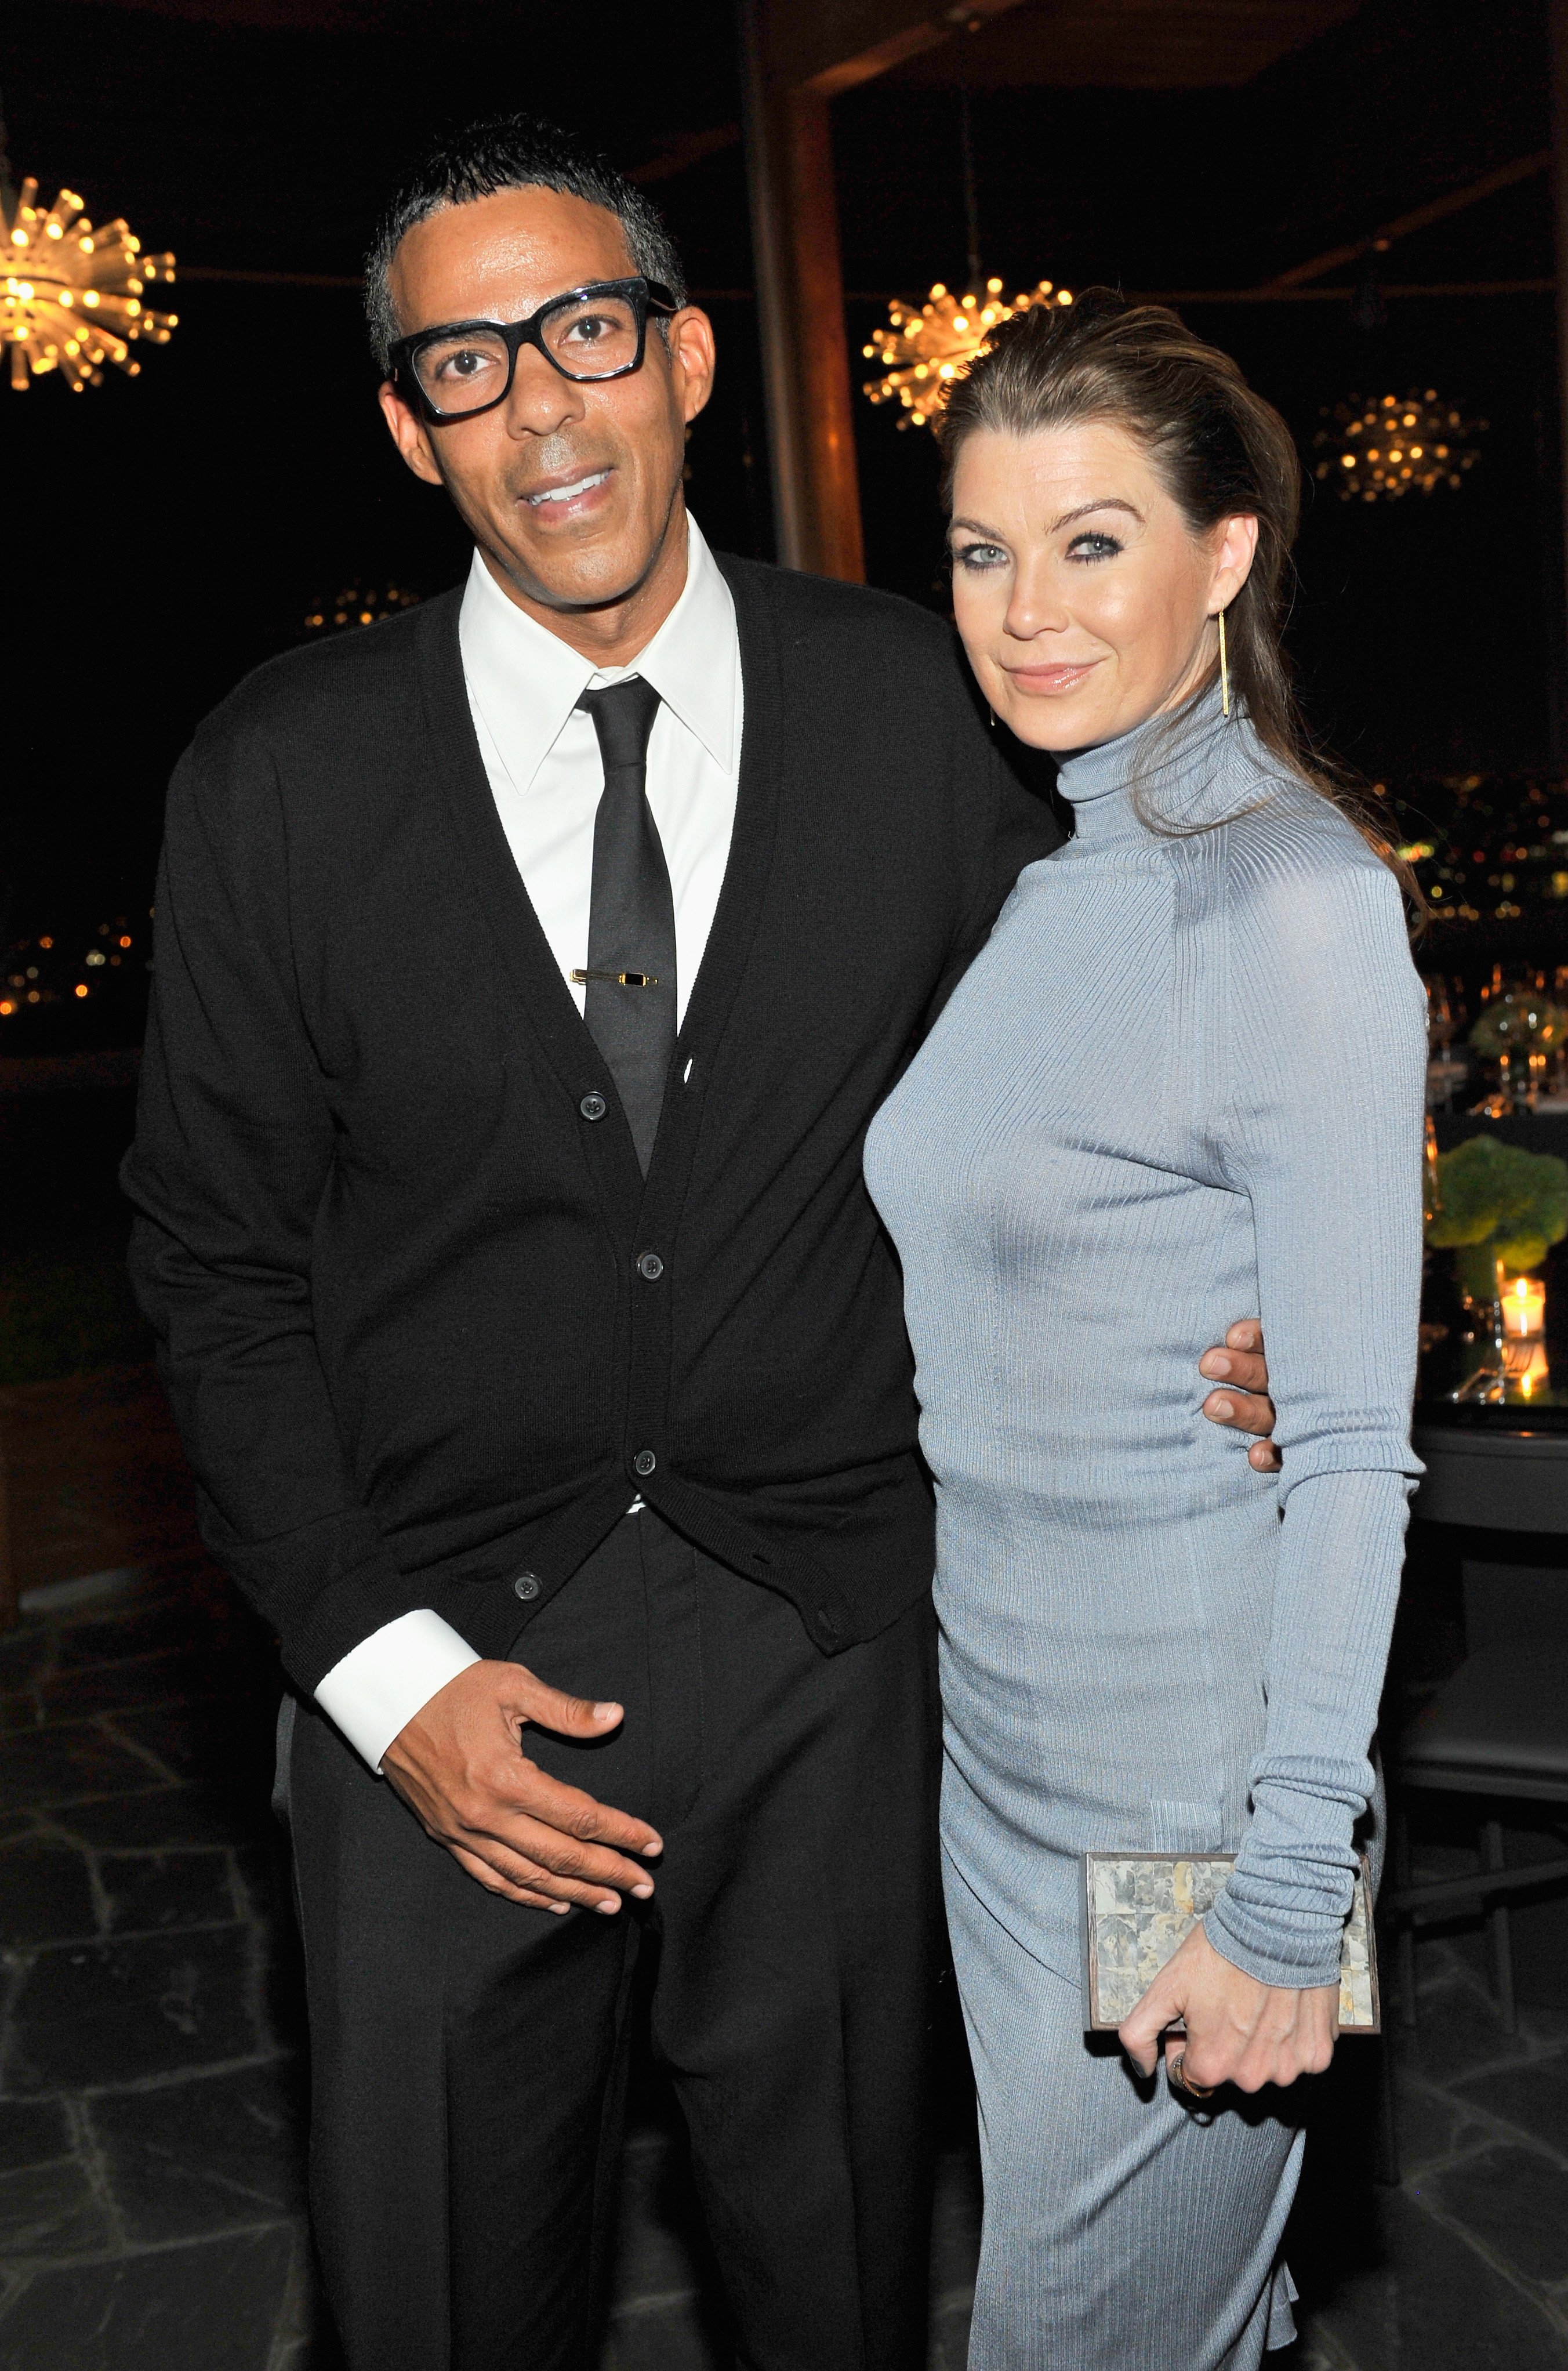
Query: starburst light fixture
point(1380, 448)
point(932, 345)
point(71, 296)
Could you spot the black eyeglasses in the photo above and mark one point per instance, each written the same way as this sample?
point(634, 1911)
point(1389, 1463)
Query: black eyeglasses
point(465, 368)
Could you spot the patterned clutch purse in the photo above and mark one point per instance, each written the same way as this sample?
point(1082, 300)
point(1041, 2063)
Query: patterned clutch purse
point(1140, 1906)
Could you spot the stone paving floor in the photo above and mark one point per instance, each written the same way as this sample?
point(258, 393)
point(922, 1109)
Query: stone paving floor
point(151, 2201)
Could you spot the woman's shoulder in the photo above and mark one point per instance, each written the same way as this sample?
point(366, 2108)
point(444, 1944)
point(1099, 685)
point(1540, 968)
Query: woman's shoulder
point(1288, 841)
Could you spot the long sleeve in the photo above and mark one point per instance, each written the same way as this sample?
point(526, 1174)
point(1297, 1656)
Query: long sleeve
point(233, 1154)
point(1328, 1064)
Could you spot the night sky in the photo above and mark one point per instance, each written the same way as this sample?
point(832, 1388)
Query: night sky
point(162, 536)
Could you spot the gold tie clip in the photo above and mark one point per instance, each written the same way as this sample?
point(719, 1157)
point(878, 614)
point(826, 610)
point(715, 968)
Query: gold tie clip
point(619, 978)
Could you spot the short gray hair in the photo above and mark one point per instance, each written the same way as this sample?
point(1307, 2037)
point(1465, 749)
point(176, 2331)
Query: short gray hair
point(511, 152)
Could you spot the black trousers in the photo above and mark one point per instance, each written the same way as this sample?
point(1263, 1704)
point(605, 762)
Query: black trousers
point(469, 2056)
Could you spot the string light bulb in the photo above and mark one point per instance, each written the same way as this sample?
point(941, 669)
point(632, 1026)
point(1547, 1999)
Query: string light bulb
point(70, 294)
point(927, 346)
point(1376, 450)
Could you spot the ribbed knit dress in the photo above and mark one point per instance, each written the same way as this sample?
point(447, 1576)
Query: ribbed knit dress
point(1182, 1083)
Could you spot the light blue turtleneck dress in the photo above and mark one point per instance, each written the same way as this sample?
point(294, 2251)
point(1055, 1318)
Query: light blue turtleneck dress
point(1182, 1083)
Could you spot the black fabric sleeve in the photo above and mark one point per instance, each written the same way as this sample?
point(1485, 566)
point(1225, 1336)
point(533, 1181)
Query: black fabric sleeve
point(232, 1153)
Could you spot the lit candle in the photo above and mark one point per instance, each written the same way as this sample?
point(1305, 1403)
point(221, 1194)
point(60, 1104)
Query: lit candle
point(1524, 1308)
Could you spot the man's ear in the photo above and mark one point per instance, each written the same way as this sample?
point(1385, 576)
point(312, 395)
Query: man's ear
point(693, 359)
point(407, 433)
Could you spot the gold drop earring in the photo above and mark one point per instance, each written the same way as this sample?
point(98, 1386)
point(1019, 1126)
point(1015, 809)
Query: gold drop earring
point(1224, 670)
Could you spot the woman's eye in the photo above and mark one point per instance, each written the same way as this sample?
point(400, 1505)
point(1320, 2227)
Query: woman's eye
point(979, 556)
point(1093, 546)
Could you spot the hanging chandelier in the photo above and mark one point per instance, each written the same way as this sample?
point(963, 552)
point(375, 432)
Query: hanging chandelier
point(71, 297)
point(1377, 449)
point(929, 345)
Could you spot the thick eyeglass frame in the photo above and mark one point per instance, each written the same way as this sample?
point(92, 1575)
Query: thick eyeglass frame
point(643, 296)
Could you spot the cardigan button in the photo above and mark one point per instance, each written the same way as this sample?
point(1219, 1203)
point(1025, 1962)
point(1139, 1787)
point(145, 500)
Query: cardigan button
point(644, 1462)
point(652, 1266)
point(525, 1586)
point(594, 1106)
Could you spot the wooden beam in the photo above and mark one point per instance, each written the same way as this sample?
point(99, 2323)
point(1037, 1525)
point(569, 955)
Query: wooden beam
point(831, 45)
point(800, 286)
point(795, 55)
point(1523, 169)
point(689, 148)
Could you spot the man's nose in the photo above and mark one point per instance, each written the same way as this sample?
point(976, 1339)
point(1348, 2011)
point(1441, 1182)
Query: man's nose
point(541, 400)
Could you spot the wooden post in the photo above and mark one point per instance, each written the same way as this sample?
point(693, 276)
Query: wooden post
point(805, 350)
point(1557, 26)
point(9, 1610)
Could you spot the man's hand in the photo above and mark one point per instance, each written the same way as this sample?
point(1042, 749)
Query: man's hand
point(1244, 1405)
point(1238, 2031)
point(460, 1767)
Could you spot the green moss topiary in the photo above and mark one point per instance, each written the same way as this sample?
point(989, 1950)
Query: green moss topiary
point(1494, 1202)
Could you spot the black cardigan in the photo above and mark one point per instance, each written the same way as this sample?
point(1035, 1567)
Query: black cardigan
point(391, 1253)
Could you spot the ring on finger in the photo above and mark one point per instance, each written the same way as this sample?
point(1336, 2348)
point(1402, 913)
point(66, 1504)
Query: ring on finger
point(1176, 2068)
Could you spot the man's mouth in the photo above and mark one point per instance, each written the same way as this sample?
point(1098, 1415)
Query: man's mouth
point(567, 493)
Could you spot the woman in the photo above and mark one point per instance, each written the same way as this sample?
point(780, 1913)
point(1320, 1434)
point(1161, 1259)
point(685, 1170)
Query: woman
point(1186, 1077)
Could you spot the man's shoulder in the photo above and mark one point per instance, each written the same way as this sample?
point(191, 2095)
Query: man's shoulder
point(349, 685)
point(803, 607)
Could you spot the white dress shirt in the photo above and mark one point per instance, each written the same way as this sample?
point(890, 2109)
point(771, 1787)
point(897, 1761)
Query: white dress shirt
point(541, 754)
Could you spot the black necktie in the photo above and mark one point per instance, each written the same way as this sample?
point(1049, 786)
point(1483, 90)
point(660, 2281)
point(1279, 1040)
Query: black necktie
point(630, 1001)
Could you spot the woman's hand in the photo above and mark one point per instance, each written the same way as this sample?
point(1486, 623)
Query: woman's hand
point(1238, 2031)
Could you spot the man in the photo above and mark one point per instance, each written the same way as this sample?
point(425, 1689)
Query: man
point(528, 971)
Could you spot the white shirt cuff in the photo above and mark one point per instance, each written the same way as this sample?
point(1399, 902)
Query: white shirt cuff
point(381, 1683)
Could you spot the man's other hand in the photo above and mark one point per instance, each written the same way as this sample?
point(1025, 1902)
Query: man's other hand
point(1244, 1405)
point(460, 1767)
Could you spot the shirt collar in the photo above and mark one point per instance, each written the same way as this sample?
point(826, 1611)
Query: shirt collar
point(525, 681)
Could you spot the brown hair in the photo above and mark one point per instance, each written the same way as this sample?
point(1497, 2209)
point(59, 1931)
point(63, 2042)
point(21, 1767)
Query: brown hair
point(1220, 449)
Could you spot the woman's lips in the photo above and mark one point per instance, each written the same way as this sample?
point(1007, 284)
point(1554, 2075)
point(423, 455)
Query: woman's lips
point(1047, 679)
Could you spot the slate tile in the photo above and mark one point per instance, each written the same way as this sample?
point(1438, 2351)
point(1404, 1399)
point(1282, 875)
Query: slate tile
point(175, 1621)
point(115, 1687)
point(227, 1744)
point(955, 2222)
point(25, 1653)
point(1431, 2300)
point(165, 1816)
point(318, 2352)
point(1534, 2097)
point(1457, 2028)
point(46, 1767)
point(202, 2155)
point(1431, 2124)
point(670, 2336)
point(949, 2346)
point(50, 2210)
point(1516, 2201)
point(151, 1891)
point(33, 2131)
point(654, 2233)
point(46, 1893)
point(211, 2306)
point(118, 2012)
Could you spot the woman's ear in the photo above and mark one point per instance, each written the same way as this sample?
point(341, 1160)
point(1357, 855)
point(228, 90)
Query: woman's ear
point(1234, 553)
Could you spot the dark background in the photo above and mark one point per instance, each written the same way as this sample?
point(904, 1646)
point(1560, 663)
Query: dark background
point(162, 536)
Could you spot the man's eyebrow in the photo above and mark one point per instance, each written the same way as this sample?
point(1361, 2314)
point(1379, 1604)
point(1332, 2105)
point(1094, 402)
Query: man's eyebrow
point(1107, 503)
